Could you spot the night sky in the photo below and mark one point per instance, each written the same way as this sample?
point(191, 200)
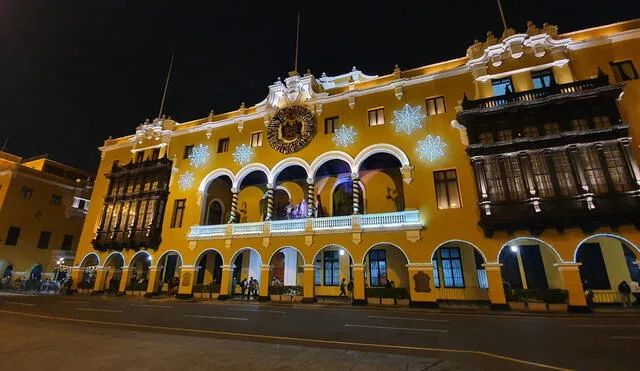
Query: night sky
point(75, 72)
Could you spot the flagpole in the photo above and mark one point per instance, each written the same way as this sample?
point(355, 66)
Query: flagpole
point(504, 20)
point(295, 63)
point(166, 85)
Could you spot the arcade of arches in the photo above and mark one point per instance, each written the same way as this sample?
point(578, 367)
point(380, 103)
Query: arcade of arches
point(458, 270)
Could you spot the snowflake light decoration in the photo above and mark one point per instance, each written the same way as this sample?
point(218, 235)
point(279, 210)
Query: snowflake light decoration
point(199, 155)
point(186, 180)
point(408, 118)
point(431, 148)
point(243, 154)
point(344, 136)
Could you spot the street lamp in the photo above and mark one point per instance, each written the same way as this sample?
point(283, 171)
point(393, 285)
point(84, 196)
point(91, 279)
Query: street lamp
point(59, 262)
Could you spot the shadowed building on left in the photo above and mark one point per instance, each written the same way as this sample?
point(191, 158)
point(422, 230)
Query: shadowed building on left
point(43, 204)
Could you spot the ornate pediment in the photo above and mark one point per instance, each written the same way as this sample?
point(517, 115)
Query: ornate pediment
point(157, 130)
point(295, 90)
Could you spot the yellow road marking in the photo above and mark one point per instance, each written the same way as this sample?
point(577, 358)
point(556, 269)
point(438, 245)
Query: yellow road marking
point(286, 338)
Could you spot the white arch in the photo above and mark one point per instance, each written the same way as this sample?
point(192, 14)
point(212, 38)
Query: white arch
point(106, 260)
point(286, 247)
point(249, 169)
point(235, 255)
point(138, 253)
point(288, 162)
point(166, 253)
point(334, 245)
point(515, 240)
point(484, 257)
point(620, 238)
point(195, 263)
point(278, 188)
point(381, 148)
point(332, 155)
point(86, 256)
point(212, 176)
point(385, 243)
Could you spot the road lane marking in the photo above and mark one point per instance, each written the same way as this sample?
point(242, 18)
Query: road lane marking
point(19, 303)
point(100, 310)
point(258, 310)
point(151, 306)
point(606, 326)
point(74, 301)
point(397, 328)
point(293, 339)
point(625, 337)
point(217, 317)
point(410, 318)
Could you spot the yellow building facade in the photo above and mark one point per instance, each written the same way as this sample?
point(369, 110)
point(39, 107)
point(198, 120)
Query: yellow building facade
point(43, 205)
point(388, 181)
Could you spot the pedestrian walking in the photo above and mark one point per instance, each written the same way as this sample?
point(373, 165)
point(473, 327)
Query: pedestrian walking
point(343, 285)
point(625, 294)
point(251, 288)
point(350, 289)
point(243, 288)
point(588, 294)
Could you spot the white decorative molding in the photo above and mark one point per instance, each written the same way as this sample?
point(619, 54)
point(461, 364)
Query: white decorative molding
point(159, 129)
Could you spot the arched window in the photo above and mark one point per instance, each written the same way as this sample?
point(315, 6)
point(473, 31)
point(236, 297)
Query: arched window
point(343, 199)
point(214, 213)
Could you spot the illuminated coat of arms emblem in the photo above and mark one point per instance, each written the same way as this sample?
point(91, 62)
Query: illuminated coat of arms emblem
point(291, 129)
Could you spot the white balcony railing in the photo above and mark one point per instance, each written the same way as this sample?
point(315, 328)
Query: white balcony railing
point(382, 221)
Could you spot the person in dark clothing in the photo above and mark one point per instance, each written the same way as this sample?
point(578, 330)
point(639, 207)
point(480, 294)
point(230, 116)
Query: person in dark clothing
point(343, 285)
point(625, 294)
point(243, 288)
point(588, 293)
point(350, 288)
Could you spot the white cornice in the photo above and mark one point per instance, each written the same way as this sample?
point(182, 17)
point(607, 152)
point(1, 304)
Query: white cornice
point(615, 38)
point(124, 144)
point(558, 63)
point(134, 150)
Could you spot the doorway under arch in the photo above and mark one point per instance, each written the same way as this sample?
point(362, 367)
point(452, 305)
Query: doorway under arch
point(286, 271)
point(247, 262)
point(209, 265)
point(332, 265)
point(215, 213)
point(169, 266)
point(458, 273)
point(528, 263)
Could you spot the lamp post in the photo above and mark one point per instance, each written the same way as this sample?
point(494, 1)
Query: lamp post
point(59, 262)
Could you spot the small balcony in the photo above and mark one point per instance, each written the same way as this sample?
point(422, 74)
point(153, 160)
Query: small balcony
point(129, 239)
point(403, 220)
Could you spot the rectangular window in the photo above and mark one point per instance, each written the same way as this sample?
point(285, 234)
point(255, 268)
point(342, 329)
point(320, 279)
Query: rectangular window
point(256, 139)
point(513, 175)
point(43, 241)
point(624, 71)
point(564, 173)
point(593, 170)
point(502, 86)
point(12, 236)
point(541, 175)
point(139, 157)
point(331, 268)
point(601, 122)
point(378, 267)
point(542, 79)
point(436, 275)
point(447, 191)
point(55, 199)
point(67, 242)
point(486, 137)
point(504, 135)
point(318, 272)
point(579, 124)
point(187, 151)
point(435, 106)
point(551, 128)
point(82, 204)
point(617, 167)
point(530, 131)
point(376, 117)
point(178, 213)
point(27, 193)
point(330, 125)
point(223, 145)
point(494, 180)
point(451, 264)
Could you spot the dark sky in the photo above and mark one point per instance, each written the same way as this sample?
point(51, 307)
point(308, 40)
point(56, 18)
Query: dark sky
point(74, 72)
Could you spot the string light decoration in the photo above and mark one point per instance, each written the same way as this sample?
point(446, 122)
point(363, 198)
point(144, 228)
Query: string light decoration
point(431, 148)
point(243, 154)
point(408, 118)
point(199, 155)
point(344, 136)
point(185, 181)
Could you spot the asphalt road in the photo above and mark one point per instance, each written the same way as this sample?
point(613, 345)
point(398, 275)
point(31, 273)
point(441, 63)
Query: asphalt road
point(472, 341)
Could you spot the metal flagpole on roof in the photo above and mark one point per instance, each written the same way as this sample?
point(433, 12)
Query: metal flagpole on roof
point(295, 63)
point(504, 20)
point(166, 85)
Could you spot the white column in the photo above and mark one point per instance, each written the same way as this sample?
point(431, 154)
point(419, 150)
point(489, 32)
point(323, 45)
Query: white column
point(290, 266)
point(254, 265)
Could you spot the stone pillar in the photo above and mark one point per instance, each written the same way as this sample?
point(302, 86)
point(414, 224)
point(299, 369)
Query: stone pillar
point(124, 279)
point(311, 197)
point(233, 217)
point(573, 284)
point(355, 179)
point(76, 275)
point(309, 283)
point(101, 276)
point(496, 289)
point(421, 288)
point(290, 266)
point(270, 191)
point(265, 269)
point(154, 278)
point(188, 275)
point(358, 285)
point(226, 291)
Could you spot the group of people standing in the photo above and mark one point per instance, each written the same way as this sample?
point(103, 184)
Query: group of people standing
point(250, 288)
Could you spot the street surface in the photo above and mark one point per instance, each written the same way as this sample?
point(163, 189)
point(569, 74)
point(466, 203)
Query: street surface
point(101, 332)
